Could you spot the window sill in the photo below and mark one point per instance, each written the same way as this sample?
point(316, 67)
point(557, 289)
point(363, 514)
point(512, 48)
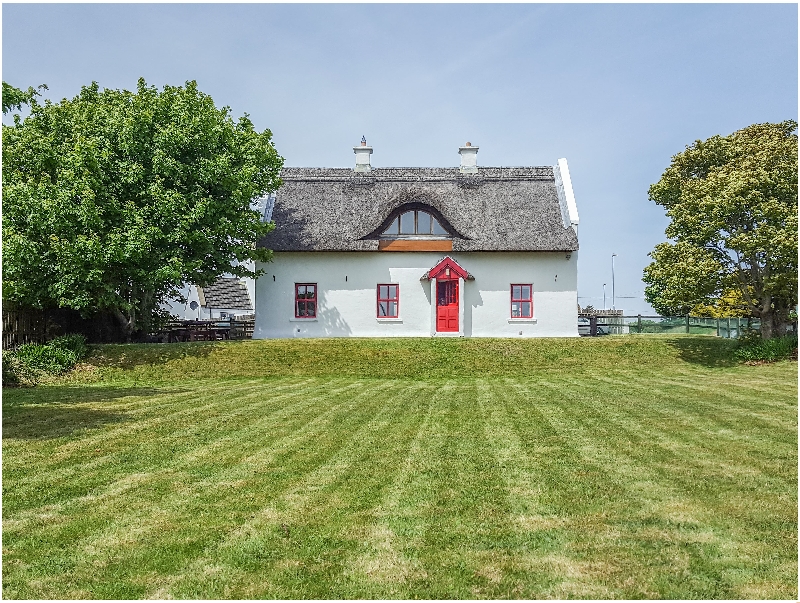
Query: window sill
point(295, 319)
point(392, 319)
point(515, 320)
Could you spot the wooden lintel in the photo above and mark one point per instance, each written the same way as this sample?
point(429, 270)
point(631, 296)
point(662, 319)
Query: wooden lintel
point(415, 245)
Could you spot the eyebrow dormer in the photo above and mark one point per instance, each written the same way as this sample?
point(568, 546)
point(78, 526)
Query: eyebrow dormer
point(415, 227)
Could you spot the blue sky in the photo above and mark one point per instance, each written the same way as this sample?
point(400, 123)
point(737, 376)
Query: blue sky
point(616, 89)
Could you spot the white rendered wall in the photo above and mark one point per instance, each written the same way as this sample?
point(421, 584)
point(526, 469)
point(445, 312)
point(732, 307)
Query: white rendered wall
point(347, 284)
point(183, 311)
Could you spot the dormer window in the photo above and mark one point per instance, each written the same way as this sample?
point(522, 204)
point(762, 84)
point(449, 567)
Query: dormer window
point(415, 222)
point(414, 226)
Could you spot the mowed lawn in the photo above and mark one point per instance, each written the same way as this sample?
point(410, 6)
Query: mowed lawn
point(621, 467)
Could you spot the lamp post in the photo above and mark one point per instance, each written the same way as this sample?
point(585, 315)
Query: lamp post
point(604, 296)
point(613, 290)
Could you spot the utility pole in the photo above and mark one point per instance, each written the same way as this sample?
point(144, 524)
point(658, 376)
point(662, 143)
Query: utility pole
point(604, 296)
point(613, 289)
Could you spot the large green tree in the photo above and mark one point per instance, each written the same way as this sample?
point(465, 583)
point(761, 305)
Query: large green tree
point(732, 202)
point(113, 200)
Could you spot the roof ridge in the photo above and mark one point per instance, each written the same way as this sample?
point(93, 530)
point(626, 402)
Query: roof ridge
point(420, 167)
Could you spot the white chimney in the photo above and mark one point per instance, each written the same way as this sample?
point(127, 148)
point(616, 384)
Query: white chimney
point(362, 156)
point(469, 159)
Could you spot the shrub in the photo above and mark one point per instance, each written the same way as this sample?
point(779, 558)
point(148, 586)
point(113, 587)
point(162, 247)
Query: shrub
point(75, 343)
point(32, 361)
point(11, 369)
point(769, 350)
point(749, 337)
point(17, 372)
point(46, 358)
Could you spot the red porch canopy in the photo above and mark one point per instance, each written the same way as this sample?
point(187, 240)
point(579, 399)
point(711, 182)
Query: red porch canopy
point(446, 269)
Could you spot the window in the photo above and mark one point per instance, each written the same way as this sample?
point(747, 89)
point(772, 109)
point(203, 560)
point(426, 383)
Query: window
point(305, 300)
point(388, 301)
point(415, 222)
point(521, 301)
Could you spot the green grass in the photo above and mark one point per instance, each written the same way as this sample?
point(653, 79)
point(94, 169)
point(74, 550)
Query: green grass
point(620, 467)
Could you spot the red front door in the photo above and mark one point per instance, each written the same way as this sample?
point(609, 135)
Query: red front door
point(447, 306)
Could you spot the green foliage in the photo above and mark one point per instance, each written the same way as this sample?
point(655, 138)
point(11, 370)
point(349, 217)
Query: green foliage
point(729, 304)
point(75, 343)
point(732, 202)
point(680, 277)
point(31, 362)
point(749, 337)
point(113, 200)
point(769, 350)
point(46, 358)
point(16, 372)
point(14, 98)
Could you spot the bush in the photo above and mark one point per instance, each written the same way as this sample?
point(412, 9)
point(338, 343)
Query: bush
point(749, 337)
point(770, 350)
point(75, 343)
point(29, 363)
point(46, 358)
point(14, 370)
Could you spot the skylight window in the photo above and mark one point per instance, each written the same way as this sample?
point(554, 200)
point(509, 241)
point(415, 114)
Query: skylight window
point(415, 222)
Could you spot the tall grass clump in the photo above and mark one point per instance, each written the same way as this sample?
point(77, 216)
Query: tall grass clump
point(31, 362)
point(752, 349)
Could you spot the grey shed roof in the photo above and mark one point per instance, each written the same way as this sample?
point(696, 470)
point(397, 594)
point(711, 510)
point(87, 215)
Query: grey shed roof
point(497, 209)
point(226, 293)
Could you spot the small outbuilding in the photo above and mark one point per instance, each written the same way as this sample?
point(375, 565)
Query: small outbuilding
point(227, 297)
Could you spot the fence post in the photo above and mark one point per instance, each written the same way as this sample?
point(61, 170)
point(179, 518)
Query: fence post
point(718, 327)
point(729, 327)
point(593, 326)
point(639, 325)
point(687, 324)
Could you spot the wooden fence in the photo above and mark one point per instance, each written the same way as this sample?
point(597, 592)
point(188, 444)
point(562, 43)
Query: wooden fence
point(31, 326)
point(23, 327)
point(614, 323)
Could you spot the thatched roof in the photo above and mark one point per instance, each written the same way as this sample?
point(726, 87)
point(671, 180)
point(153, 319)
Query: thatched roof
point(497, 209)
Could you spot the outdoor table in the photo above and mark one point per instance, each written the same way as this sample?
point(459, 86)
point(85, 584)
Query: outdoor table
point(197, 330)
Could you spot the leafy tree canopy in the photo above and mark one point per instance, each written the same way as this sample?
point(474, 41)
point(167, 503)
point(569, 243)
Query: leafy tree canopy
point(14, 98)
point(113, 200)
point(732, 201)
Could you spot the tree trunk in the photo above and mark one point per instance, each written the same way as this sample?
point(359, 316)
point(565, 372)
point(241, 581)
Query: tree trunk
point(766, 324)
point(128, 324)
point(780, 321)
point(774, 315)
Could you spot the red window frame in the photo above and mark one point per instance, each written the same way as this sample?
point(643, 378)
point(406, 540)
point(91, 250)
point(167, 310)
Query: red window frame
point(305, 300)
point(518, 297)
point(388, 300)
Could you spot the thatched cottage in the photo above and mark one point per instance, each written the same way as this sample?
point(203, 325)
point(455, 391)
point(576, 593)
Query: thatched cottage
point(378, 252)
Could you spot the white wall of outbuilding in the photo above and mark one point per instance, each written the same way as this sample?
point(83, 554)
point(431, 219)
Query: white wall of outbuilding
point(347, 283)
point(184, 311)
